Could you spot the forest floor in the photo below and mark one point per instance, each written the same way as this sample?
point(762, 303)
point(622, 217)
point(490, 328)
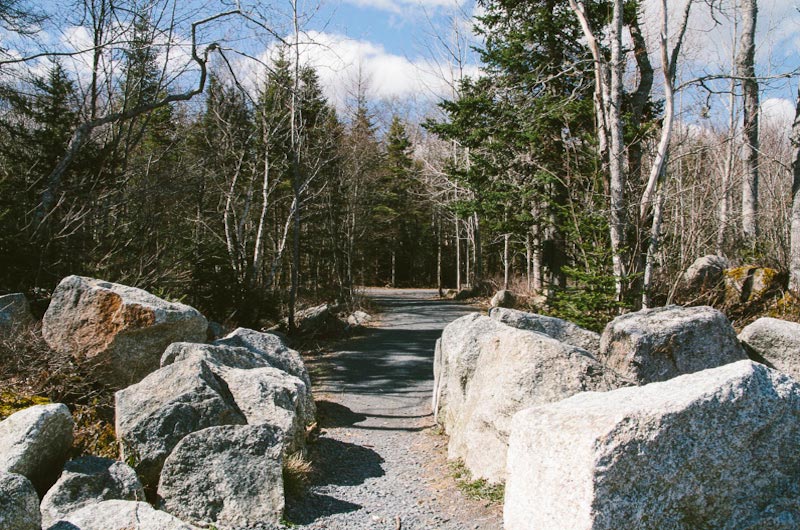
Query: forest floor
point(379, 462)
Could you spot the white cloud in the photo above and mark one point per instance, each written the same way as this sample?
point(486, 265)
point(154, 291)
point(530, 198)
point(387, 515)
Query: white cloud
point(340, 61)
point(778, 114)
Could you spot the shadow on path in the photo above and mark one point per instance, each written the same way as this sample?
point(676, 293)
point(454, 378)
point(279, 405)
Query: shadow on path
point(380, 382)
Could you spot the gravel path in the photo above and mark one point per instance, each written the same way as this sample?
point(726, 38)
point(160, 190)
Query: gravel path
point(379, 464)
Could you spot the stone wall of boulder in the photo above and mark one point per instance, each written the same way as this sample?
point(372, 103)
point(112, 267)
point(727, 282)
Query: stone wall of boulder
point(666, 423)
point(205, 427)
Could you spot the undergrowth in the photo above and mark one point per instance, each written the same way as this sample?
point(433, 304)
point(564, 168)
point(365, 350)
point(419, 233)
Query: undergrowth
point(478, 489)
point(33, 374)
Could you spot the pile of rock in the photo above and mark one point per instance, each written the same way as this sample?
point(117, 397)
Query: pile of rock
point(204, 427)
point(660, 422)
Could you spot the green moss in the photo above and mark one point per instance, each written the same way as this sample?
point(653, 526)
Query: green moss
point(11, 402)
point(476, 489)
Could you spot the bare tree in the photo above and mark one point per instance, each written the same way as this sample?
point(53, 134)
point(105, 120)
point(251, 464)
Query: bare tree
point(608, 73)
point(745, 66)
point(794, 246)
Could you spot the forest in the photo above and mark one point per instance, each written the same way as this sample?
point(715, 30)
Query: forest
point(583, 160)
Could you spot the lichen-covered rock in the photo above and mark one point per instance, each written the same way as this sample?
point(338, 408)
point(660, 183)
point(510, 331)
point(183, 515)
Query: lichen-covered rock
point(705, 273)
point(751, 284)
point(222, 355)
point(120, 515)
point(776, 342)
point(19, 504)
point(153, 415)
point(515, 369)
point(34, 442)
point(123, 330)
point(503, 298)
point(713, 449)
point(89, 480)
point(554, 327)
point(230, 476)
point(271, 396)
point(14, 312)
point(661, 343)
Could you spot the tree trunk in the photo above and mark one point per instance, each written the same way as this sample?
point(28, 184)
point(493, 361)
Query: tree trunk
point(794, 249)
point(746, 71)
point(506, 261)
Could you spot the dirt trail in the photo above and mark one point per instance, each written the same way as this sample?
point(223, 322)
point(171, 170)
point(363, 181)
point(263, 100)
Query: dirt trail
point(380, 464)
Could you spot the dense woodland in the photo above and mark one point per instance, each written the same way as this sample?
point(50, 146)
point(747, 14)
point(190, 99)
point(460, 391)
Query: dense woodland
point(565, 169)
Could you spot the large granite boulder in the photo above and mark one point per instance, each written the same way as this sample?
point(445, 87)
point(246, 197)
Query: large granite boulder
point(14, 312)
point(230, 476)
point(271, 396)
point(503, 298)
point(19, 503)
point(456, 355)
point(123, 330)
point(215, 354)
point(713, 449)
point(776, 342)
point(35, 441)
point(272, 348)
point(705, 273)
point(557, 328)
point(515, 369)
point(120, 515)
point(153, 415)
point(661, 343)
point(89, 480)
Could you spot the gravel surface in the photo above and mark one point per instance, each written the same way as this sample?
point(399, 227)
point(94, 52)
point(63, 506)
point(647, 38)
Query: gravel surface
point(379, 463)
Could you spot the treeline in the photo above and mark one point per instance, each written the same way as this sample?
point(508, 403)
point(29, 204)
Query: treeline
point(565, 170)
point(241, 205)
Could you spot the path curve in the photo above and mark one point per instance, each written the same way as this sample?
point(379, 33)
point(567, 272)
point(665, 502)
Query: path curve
point(379, 464)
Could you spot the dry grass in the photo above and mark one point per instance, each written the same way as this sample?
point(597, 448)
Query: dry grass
point(31, 373)
point(297, 470)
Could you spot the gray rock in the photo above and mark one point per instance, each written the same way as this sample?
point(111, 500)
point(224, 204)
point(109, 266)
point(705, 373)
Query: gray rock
point(359, 318)
point(19, 504)
point(776, 342)
point(705, 273)
point(713, 449)
point(515, 369)
point(120, 515)
point(454, 364)
point(662, 343)
point(557, 328)
point(14, 312)
point(230, 476)
point(153, 415)
point(122, 329)
point(503, 298)
point(318, 320)
point(272, 348)
point(89, 480)
point(34, 442)
point(271, 396)
point(221, 355)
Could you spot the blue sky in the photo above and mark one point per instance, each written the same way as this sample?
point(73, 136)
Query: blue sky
point(392, 46)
